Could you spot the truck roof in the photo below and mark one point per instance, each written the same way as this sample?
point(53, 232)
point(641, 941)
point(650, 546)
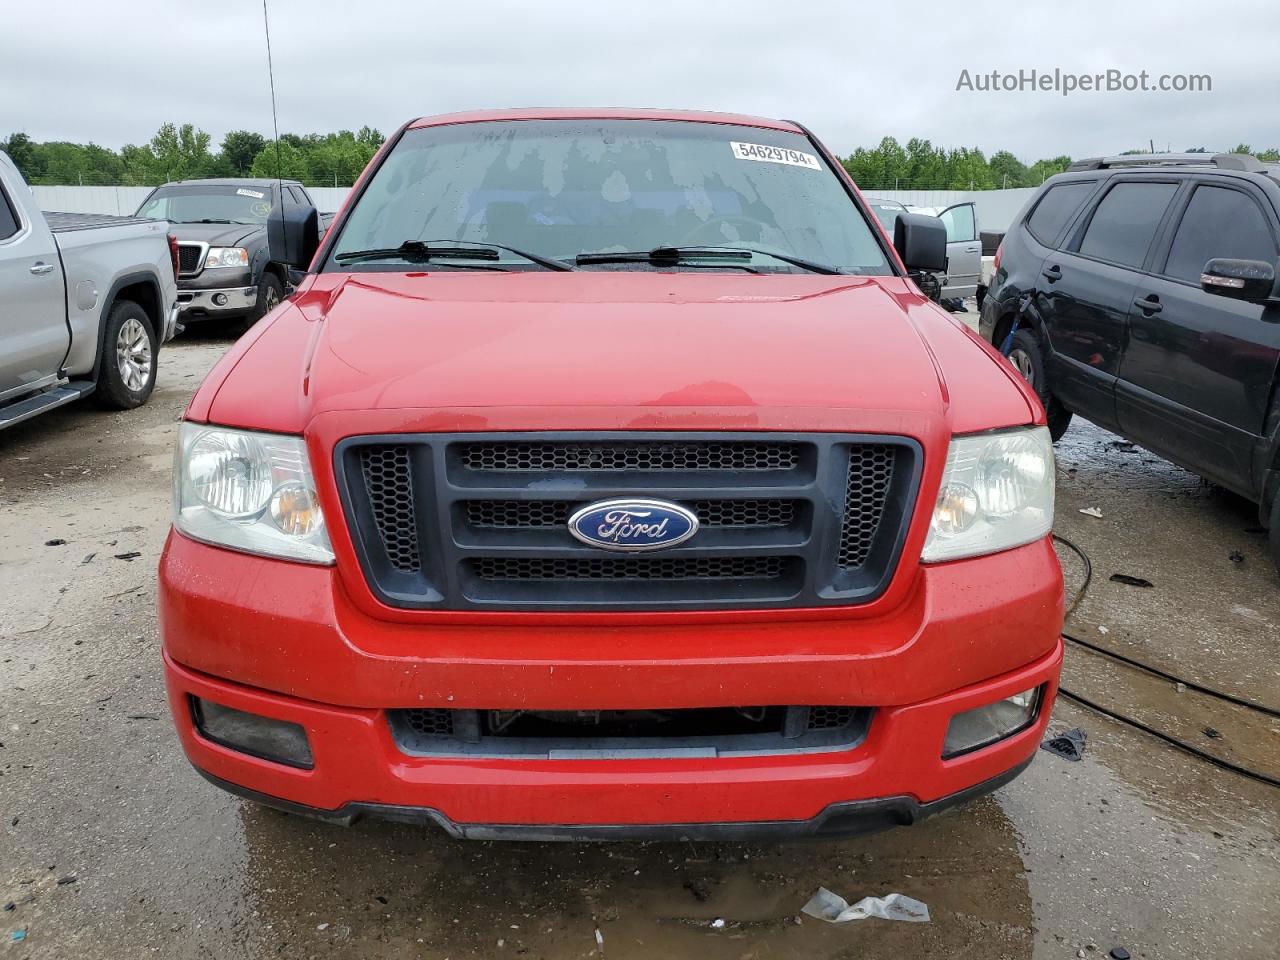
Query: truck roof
point(233, 182)
point(603, 113)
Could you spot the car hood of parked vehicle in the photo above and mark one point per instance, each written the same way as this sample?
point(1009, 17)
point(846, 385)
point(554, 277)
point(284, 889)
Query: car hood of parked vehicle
point(613, 350)
point(215, 234)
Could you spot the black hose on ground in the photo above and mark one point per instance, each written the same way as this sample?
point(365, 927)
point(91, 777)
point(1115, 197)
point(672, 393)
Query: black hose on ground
point(1139, 725)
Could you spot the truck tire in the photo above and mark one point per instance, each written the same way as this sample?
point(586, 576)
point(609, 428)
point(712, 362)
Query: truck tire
point(1026, 355)
point(127, 366)
point(270, 293)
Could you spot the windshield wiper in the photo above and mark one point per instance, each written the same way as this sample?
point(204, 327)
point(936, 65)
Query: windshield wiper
point(455, 250)
point(212, 220)
point(687, 254)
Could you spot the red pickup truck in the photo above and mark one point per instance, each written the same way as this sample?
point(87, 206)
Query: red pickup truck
point(733, 533)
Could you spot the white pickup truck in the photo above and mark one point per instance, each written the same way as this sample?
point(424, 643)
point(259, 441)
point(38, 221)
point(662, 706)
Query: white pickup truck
point(85, 302)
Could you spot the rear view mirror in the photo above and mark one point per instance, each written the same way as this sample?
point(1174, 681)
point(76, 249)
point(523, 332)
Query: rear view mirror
point(921, 242)
point(293, 234)
point(1252, 280)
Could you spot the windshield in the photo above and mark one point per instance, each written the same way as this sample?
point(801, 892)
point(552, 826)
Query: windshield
point(887, 212)
point(196, 202)
point(563, 188)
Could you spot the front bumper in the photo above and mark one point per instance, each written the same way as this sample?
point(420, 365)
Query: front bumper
point(217, 302)
point(282, 640)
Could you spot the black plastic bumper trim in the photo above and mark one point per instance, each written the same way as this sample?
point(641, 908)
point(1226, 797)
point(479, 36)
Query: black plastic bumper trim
point(838, 820)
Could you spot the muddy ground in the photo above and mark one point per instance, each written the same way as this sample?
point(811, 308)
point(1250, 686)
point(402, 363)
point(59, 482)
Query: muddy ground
point(111, 846)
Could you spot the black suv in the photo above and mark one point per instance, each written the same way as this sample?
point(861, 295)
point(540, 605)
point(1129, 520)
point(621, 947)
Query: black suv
point(1140, 292)
point(224, 268)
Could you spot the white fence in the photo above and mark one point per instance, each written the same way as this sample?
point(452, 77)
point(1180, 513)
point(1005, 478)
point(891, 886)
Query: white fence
point(996, 208)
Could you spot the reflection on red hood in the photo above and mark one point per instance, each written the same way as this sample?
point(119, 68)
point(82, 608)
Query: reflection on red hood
point(635, 346)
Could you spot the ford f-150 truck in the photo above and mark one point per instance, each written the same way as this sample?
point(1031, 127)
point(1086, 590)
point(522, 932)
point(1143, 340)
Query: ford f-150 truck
point(85, 302)
point(225, 270)
point(732, 533)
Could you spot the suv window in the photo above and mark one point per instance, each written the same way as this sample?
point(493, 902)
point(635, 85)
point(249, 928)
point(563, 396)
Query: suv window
point(8, 219)
point(1219, 222)
point(1125, 221)
point(1056, 208)
point(959, 223)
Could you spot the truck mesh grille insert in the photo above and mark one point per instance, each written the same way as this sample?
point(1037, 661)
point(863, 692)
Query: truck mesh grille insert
point(389, 480)
point(830, 718)
point(607, 455)
point(866, 494)
point(188, 257)
point(426, 722)
point(630, 568)
point(509, 514)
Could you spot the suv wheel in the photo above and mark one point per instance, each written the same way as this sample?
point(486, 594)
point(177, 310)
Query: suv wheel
point(127, 367)
point(1027, 357)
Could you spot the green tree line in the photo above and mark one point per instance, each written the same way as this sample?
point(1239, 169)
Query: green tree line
point(920, 165)
point(336, 159)
point(186, 152)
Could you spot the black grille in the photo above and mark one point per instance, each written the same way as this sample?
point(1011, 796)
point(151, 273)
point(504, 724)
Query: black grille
point(630, 568)
point(189, 255)
point(389, 482)
point(704, 731)
point(727, 455)
point(866, 496)
point(429, 722)
point(517, 514)
point(480, 521)
point(830, 718)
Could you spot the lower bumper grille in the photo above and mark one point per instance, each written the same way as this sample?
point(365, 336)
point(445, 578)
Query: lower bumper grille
point(711, 731)
point(481, 521)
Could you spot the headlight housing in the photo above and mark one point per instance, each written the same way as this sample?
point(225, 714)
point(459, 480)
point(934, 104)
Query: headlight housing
point(226, 257)
point(248, 491)
point(997, 493)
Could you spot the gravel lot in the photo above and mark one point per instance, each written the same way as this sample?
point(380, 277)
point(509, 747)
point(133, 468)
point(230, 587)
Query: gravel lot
point(111, 846)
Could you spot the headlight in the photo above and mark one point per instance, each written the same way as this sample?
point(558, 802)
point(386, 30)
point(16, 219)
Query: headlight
point(227, 257)
point(250, 491)
point(997, 493)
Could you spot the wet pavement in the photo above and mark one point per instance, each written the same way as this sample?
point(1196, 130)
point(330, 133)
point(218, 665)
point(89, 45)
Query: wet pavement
point(1137, 846)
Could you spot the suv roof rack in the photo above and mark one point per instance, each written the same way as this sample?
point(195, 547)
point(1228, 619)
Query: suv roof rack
point(1223, 161)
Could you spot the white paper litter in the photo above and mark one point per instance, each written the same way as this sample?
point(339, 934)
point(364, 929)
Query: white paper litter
point(825, 905)
point(1091, 512)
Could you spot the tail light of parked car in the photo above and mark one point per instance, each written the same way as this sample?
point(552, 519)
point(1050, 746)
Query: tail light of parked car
point(995, 261)
point(173, 252)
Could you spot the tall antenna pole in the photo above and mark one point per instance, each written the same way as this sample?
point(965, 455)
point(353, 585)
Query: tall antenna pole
point(275, 123)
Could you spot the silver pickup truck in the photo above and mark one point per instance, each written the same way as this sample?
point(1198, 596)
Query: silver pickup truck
point(85, 302)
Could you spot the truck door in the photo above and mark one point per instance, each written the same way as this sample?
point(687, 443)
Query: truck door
point(1085, 291)
point(33, 317)
point(964, 250)
point(1197, 374)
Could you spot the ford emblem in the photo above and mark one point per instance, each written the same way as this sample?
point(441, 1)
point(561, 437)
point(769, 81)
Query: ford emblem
point(633, 525)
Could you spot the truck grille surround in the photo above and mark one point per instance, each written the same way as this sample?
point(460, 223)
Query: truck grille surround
point(480, 521)
point(190, 258)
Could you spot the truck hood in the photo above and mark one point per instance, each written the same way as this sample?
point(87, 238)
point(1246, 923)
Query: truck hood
point(863, 350)
point(215, 234)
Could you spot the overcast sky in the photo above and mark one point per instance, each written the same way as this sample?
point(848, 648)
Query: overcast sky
point(83, 70)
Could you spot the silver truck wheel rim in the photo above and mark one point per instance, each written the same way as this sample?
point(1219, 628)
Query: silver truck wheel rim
point(1021, 361)
point(133, 355)
point(271, 301)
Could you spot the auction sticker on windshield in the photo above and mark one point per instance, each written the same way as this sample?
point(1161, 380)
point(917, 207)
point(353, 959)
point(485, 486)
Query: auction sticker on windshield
point(760, 151)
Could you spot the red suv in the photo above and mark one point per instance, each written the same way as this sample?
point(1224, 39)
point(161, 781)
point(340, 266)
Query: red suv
point(733, 533)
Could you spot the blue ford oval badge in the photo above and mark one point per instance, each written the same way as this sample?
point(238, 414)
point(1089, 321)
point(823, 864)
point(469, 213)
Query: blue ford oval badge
point(633, 525)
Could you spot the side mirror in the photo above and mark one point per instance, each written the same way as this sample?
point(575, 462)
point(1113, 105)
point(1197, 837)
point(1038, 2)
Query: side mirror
point(293, 235)
point(1252, 280)
point(921, 242)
